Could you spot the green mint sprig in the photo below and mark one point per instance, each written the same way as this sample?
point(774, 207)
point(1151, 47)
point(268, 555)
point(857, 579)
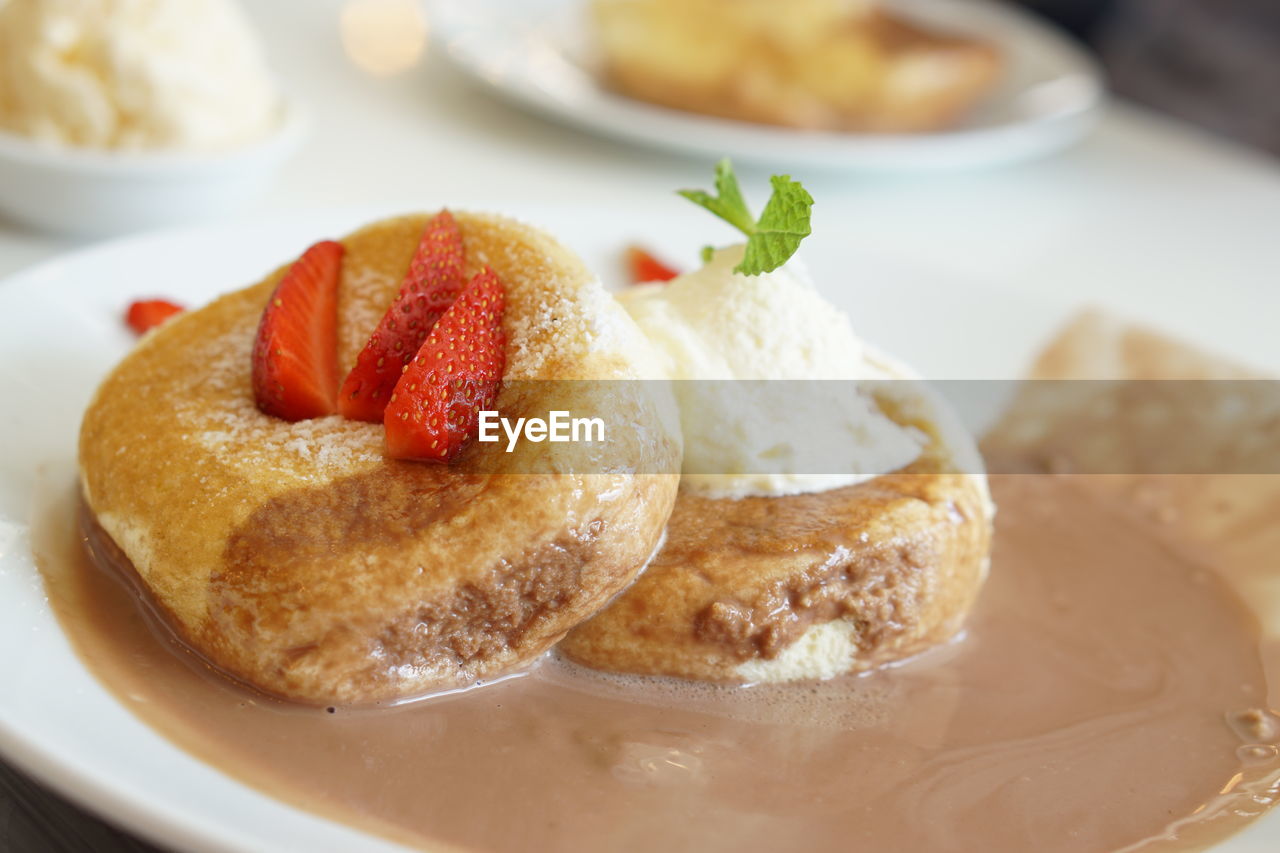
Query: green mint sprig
point(774, 237)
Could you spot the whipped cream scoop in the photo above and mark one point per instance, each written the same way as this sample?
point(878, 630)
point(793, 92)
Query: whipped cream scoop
point(134, 74)
point(747, 438)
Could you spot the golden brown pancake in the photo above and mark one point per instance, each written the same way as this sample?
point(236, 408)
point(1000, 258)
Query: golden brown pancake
point(297, 558)
point(816, 64)
point(803, 586)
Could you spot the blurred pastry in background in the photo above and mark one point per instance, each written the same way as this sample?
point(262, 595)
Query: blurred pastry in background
point(134, 75)
point(814, 64)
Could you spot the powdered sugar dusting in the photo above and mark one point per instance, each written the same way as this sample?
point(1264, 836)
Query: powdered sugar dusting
point(220, 413)
point(554, 323)
point(363, 300)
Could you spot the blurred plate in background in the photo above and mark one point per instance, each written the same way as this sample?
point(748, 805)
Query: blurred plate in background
point(539, 54)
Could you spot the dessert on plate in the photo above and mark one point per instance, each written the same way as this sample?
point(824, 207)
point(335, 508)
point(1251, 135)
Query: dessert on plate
point(347, 542)
point(254, 495)
point(845, 65)
point(297, 477)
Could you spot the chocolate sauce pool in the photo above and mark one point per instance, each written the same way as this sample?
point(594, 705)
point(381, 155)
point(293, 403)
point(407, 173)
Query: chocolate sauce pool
point(1110, 693)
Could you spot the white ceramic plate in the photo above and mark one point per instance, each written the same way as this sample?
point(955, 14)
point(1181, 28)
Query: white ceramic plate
point(61, 331)
point(538, 53)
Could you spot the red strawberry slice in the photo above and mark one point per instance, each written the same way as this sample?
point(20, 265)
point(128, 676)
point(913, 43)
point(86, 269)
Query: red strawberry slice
point(145, 314)
point(429, 288)
point(644, 267)
point(436, 404)
point(295, 357)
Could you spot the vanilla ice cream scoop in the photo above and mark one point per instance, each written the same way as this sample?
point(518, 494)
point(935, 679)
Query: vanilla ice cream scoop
point(134, 74)
point(725, 331)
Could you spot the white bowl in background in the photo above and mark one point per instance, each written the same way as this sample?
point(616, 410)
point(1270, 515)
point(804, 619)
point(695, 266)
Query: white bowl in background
point(95, 193)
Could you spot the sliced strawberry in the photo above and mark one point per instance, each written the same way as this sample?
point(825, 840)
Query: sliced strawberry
point(295, 357)
point(436, 404)
point(644, 267)
point(145, 314)
point(429, 288)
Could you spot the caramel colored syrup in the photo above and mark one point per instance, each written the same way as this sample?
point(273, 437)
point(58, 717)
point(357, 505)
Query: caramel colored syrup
point(1110, 693)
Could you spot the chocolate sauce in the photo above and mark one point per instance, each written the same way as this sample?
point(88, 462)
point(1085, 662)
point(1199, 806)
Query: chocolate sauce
point(1110, 692)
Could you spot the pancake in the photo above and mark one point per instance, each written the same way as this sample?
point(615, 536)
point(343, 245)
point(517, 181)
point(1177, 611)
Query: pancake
point(807, 586)
point(826, 65)
point(297, 558)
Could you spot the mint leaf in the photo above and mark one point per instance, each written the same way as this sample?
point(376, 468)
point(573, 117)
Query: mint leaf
point(775, 237)
point(728, 202)
point(783, 224)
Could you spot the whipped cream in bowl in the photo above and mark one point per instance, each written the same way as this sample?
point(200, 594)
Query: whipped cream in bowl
point(116, 115)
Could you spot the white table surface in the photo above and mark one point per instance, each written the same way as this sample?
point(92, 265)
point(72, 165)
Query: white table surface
point(1142, 210)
